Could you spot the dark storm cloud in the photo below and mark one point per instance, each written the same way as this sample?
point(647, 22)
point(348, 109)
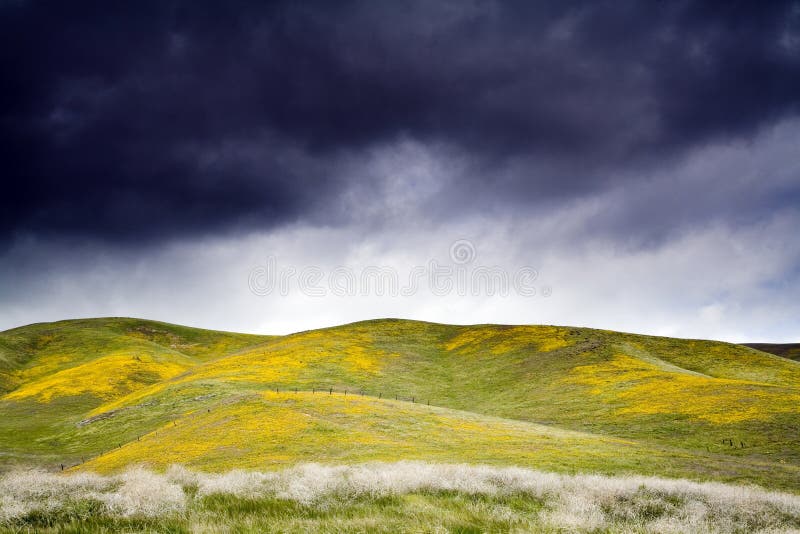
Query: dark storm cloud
point(157, 119)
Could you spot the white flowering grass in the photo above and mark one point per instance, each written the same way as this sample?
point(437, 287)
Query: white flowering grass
point(359, 497)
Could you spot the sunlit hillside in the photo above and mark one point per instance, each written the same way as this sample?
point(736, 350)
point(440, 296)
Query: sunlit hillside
point(104, 394)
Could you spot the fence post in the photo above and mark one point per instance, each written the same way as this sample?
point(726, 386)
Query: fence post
point(412, 400)
point(331, 392)
point(380, 395)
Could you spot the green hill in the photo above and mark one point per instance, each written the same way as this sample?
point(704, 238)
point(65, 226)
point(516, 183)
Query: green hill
point(102, 394)
point(787, 350)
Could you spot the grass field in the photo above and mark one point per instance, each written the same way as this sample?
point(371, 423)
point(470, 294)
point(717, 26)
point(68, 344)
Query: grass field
point(101, 395)
point(407, 496)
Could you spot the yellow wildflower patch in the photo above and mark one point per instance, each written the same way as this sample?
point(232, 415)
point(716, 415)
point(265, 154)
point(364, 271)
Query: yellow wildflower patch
point(500, 340)
point(645, 388)
point(285, 360)
point(106, 378)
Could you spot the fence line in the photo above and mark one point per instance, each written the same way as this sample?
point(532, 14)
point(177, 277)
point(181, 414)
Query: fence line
point(354, 392)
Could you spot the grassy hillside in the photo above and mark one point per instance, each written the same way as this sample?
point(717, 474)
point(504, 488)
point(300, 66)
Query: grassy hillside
point(53, 374)
point(106, 393)
point(786, 350)
point(33, 357)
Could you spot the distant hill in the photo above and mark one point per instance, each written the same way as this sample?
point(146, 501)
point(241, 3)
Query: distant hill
point(785, 350)
point(106, 393)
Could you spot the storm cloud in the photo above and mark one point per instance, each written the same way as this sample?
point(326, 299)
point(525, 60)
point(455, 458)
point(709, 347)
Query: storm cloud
point(162, 119)
point(128, 132)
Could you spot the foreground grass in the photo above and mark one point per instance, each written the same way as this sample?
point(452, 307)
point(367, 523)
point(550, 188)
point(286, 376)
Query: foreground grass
point(400, 497)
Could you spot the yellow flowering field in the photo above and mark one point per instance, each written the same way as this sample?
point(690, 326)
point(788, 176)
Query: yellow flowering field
point(103, 394)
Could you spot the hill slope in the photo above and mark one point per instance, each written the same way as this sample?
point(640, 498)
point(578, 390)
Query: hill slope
point(786, 350)
point(120, 391)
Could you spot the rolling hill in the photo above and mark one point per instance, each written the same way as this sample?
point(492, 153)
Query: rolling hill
point(787, 350)
point(102, 394)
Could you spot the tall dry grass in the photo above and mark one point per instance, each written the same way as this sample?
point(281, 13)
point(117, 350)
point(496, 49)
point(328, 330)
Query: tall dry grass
point(571, 502)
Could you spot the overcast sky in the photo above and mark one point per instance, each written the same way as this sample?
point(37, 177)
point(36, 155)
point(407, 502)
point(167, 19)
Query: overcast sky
point(277, 166)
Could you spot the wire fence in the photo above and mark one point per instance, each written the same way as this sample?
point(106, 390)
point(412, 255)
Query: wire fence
point(356, 392)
